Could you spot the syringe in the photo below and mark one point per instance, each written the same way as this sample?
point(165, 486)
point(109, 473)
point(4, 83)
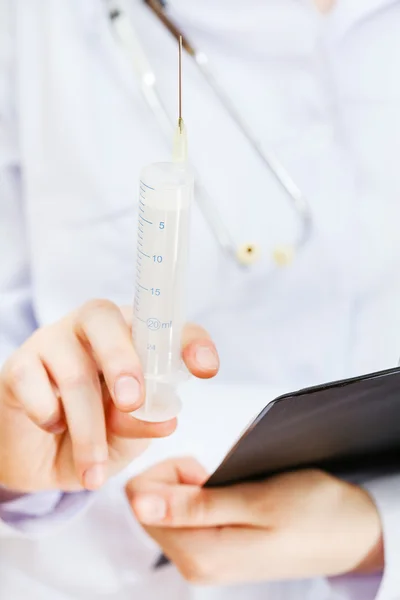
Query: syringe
point(165, 197)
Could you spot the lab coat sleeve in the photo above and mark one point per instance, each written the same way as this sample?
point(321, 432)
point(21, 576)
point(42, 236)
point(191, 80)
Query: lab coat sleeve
point(16, 314)
point(30, 514)
point(35, 515)
point(385, 491)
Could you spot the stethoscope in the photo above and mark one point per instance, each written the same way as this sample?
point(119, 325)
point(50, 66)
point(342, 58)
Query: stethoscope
point(243, 254)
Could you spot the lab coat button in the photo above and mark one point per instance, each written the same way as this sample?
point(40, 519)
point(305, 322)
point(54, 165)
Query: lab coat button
point(248, 254)
point(283, 255)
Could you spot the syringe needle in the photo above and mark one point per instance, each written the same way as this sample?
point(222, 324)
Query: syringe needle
point(180, 139)
point(180, 79)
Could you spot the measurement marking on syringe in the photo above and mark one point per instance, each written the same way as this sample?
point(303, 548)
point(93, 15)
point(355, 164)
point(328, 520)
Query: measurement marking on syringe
point(142, 203)
point(145, 185)
point(145, 220)
point(141, 230)
point(144, 253)
point(140, 243)
point(142, 209)
point(143, 288)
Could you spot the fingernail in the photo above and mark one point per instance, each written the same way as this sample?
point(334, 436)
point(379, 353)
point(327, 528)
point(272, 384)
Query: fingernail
point(127, 391)
point(207, 358)
point(150, 508)
point(94, 477)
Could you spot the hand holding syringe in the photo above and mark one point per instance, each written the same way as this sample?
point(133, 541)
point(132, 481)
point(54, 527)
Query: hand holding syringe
point(165, 196)
point(81, 376)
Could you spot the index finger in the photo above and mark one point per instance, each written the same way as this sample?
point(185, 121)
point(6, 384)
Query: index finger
point(100, 324)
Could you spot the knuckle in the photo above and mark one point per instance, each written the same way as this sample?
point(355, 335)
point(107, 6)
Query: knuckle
point(91, 452)
point(119, 360)
point(261, 503)
point(189, 509)
point(74, 380)
point(206, 506)
point(17, 370)
point(199, 507)
point(95, 306)
point(194, 509)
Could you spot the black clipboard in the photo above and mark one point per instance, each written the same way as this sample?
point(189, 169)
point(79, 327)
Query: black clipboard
point(344, 427)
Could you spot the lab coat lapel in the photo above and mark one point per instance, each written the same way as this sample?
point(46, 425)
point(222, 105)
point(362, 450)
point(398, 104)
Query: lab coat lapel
point(347, 13)
point(111, 48)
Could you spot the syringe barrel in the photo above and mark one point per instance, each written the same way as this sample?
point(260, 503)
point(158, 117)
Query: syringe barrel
point(165, 197)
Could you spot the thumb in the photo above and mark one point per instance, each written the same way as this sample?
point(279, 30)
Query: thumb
point(199, 352)
point(189, 506)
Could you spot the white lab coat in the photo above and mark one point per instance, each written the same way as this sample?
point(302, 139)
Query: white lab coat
point(75, 131)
